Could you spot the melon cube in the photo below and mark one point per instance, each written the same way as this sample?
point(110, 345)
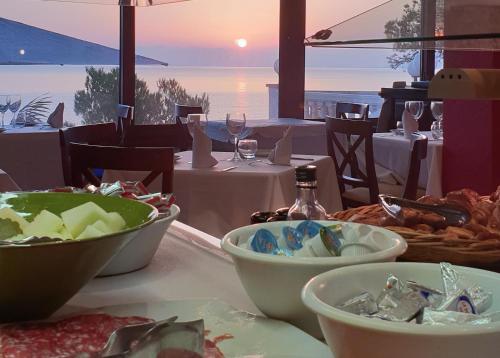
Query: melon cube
point(64, 234)
point(90, 232)
point(78, 218)
point(102, 226)
point(8, 213)
point(43, 224)
point(115, 222)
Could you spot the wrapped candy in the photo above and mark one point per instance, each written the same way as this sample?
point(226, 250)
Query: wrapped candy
point(397, 302)
point(363, 305)
point(443, 318)
point(461, 301)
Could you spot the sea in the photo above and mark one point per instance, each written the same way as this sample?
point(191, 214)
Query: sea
point(230, 89)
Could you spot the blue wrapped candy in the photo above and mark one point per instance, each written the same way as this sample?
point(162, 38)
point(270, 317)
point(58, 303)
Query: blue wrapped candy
point(293, 238)
point(309, 228)
point(264, 242)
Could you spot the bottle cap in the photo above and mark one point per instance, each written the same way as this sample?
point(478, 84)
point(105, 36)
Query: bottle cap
point(305, 173)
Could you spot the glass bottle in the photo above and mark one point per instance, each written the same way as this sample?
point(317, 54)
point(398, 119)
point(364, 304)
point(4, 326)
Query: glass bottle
point(306, 205)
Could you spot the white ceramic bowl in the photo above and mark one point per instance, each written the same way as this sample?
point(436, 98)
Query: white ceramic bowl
point(352, 336)
point(274, 283)
point(139, 252)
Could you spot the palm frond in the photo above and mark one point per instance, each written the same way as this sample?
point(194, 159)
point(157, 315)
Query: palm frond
point(37, 110)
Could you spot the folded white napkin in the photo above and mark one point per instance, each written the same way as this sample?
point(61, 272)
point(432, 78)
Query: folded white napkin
point(283, 149)
point(202, 149)
point(410, 124)
point(55, 119)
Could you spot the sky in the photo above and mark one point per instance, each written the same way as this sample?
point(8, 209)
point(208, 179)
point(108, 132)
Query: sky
point(197, 32)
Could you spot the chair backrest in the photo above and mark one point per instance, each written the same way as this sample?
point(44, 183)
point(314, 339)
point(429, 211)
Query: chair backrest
point(418, 152)
point(84, 157)
point(102, 134)
point(158, 135)
point(343, 109)
point(344, 137)
point(182, 111)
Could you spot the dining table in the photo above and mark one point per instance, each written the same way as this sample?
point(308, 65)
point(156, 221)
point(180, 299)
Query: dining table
point(222, 198)
point(191, 277)
point(391, 152)
point(31, 156)
point(308, 137)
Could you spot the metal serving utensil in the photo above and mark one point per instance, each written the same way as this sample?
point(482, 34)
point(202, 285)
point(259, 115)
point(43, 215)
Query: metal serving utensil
point(29, 241)
point(453, 215)
point(119, 342)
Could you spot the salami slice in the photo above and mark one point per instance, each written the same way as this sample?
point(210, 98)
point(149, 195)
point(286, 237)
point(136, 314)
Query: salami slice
point(83, 334)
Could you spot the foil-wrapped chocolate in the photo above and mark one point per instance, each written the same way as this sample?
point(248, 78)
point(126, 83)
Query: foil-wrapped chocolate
point(445, 318)
point(364, 305)
point(457, 288)
point(399, 303)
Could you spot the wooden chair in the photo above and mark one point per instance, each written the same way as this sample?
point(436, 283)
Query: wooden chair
point(347, 157)
point(102, 134)
point(158, 135)
point(343, 109)
point(159, 161)
point(365, 187)
point(182, 111)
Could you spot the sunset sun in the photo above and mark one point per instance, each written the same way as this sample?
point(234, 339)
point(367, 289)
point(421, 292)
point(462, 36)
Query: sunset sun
point(241, 43)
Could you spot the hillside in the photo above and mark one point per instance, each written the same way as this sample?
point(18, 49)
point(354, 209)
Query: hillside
point(47, 47)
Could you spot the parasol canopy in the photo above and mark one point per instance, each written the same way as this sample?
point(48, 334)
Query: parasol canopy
point(417, 25)
point(122, 2)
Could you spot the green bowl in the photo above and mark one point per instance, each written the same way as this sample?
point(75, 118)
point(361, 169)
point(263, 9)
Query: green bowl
point(36, 280)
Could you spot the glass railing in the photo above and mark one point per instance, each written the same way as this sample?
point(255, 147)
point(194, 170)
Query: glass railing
point(418, 24)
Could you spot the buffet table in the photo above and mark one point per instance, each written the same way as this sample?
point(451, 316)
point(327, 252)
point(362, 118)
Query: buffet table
point(188, 265)
point(217, 201)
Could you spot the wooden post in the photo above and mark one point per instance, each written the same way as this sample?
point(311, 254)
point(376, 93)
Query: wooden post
point(127, 55)
point(428, 57)
point(292, 58)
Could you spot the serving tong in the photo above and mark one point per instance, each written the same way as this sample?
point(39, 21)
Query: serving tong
point(453, 215)
point(149, 339)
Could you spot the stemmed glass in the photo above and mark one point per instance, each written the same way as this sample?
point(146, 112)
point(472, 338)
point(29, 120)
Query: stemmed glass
point(14, 106)
point(437, 113)
point(4, 106)
point(235, 124)
point(415, 108)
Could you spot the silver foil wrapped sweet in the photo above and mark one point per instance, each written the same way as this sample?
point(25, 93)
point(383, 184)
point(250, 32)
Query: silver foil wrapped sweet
point(363, 305)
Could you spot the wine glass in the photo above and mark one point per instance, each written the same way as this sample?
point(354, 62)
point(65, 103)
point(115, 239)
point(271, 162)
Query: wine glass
point(4, 106)
point(437, 110)
point(14, 106)
point(196, 120)
point(415, 108)
point(437, 130)
point(235, 124)
point(248, 148)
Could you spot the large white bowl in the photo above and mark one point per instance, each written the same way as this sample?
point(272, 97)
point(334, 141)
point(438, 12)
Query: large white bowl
point(139, 252)
point(352, 336)
point(274, 283)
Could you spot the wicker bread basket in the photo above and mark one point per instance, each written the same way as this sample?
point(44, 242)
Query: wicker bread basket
point(460, 246)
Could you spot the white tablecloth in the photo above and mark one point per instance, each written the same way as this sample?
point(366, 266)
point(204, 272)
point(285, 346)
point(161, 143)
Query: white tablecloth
point(392, 153)
point(217, 202)
point(32, 157)
point(309, 137)
point(188, 265)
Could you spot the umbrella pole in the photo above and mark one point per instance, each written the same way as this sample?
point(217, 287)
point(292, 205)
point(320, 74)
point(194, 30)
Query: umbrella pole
point(127, 56)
